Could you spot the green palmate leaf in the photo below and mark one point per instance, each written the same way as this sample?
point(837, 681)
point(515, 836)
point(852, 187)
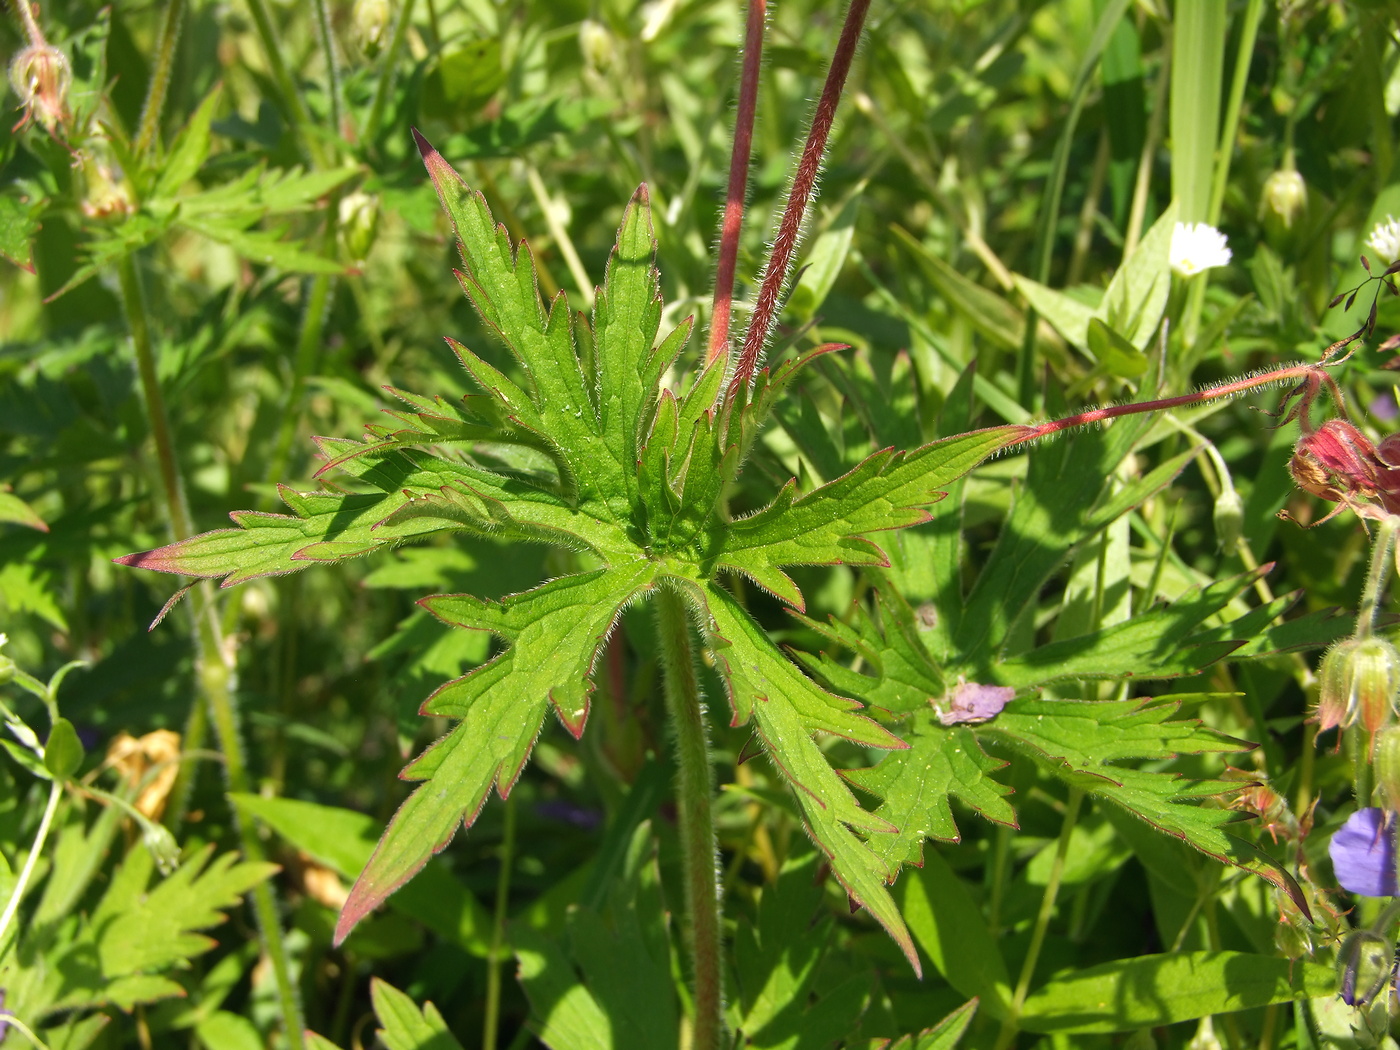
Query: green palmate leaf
point(1155, 990)
point(787, 708)
point(945, 1035)
point(1079, 741)
point(583, 449)
point(421, 495)
point(404, 1026)
point(123, 952)
point(917, 787)
point(1072, 739)
point(592, 429)
point(190, 148)
point(142, 930)
point(827, 526)
point(554, 634)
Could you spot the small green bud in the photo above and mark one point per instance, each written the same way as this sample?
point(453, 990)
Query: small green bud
point(1140, 1040)
point(1358, 680)
point(1284, 198)
point(597, 45)
point(1364, 966)
point(369, 24)
point(105, 193)
point(1205, 1037)
point(1291, 941)
point(1229, 519)
point(359, 223)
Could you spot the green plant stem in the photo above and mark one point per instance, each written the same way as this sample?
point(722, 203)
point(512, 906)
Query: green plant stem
point(492, 1023)
point(323, 30)
point(386, 72)
point(159, 85)
point(1376, 577)
point(214, 666)
point(292, 103)
point(31, 27)
point(562, 240)
point(1009, 1026)
point(313, 324)
point(27, 872)
point(694, 807)
point(9, 1018)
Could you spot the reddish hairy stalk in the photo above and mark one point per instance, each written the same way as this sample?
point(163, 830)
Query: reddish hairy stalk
point(1310, 373)
point(775, 273)
point(738, 183)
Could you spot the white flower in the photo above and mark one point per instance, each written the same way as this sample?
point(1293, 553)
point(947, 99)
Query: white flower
point(1385, 239)
point(1197, 246)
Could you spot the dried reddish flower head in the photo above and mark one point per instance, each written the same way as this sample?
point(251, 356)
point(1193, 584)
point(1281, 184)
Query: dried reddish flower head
point(1340, 464)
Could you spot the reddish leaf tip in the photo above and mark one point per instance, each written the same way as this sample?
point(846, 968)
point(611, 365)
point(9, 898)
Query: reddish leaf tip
point(424, 146)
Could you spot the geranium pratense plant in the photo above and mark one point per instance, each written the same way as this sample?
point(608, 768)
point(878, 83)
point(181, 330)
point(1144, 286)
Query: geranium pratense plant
point(589, 451)
point(584, 447)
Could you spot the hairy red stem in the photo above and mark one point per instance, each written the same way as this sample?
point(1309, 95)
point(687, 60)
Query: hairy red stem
point(775, 273)
point(738, 183)
point(1036, 431)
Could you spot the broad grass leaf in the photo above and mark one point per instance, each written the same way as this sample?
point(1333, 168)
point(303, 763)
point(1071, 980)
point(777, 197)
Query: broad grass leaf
point(948, 925)
point(1154, 990)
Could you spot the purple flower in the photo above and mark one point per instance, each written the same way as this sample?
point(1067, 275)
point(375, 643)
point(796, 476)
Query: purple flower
point(1363, 854)
point(972, 702)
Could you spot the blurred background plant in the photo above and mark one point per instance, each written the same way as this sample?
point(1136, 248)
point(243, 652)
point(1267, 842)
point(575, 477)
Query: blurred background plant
point(223, 243)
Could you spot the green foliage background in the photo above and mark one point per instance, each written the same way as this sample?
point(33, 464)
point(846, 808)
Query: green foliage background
point(273, 320)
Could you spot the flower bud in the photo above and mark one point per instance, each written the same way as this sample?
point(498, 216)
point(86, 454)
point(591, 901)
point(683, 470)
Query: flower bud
point(1358, 680)
point(41, 76)
point(1364, 965)
point(359, 223)
point(1140, 1040)
point(1205, 1037)
point(597, 45)
point(1292, 942)
point(105, 193)
point(1229, 519)
point(1284, 198)
point(369, 24)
